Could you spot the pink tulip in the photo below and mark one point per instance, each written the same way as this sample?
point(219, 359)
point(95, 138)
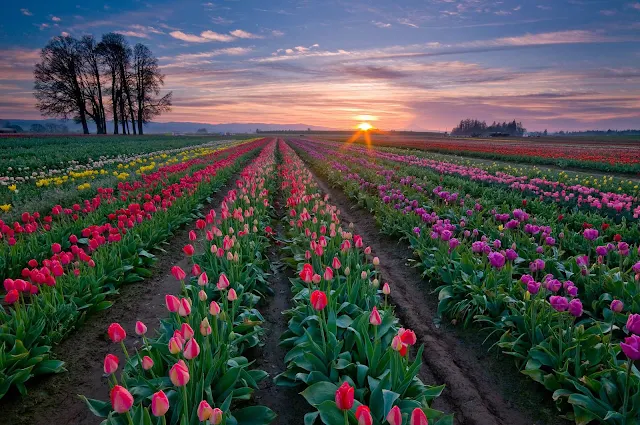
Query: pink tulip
point(141, 328)
point(178, 273)
point(196, 270)
point(192, 236)
point(374, 317)
point(204, 411)
point(396, 343)
point(223, 282)
point(191, 350)
point(172, 302)
point(205, 327)
point(202, 295)
point(336, 263)
point(232, 296)
point(418, 417)
point(116, 333)
point(187, 331)
point(147, 362)
point(617, 306)
point(394, 417)
point(188, 250)
point(386, 289)
point(175, 345)
point(203, 279)
point(376, 261)
point(216, 417)
point(363, 415)
point(159, 404)
point(185, 307)
point(110, 364)
point(121, 399)
point(328, 274)
point(345, 396)
point(179, 374)
point(214, 308)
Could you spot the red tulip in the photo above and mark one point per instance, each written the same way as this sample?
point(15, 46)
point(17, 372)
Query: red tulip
point(191, 350)
point(306, 274)
point(121, 399)
point(336, 263)
point(141, 328)
point(188, 250)
point(344, 396)
point(116, 333)
point(196, 270)
point(172, 302)
point(407, 336)
point(178, 273)
point(418, 417)
point(56, 248)
point(204, 411)
point(394, 417)
point(12, 296)
point(110, 364)
point(318, 300)
point(363, 415)
point(374, 317)
point(192, 237)
point(159, 404)
point(179, 374)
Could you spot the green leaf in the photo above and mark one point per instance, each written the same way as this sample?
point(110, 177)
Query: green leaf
point(320, 392)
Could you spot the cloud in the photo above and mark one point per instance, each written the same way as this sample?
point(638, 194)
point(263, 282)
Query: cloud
point(65, 34)
point(404, 21)
point(635, 5)
point(214, 36)
point(137, 34)
point(190, 59)
point(543, 7)
point(244, 34)
point(502, 13)
point(26, 12)
point(219, 20)
point(381, 24)
point(608, 12)
point(145, 29)
point(204, 37)
point(55, 19)
point(43, 26)
point(277, 33)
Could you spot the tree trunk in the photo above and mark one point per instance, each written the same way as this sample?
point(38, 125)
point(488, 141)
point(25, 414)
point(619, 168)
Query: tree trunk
point(114, 102)
point(127, 92)
point(101, 114)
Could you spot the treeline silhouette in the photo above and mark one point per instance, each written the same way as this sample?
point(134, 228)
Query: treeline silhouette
point(85, 79)
point(474, 127)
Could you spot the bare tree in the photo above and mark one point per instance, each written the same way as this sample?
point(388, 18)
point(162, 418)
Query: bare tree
point(148, 81)
point(116, 53)
point(58, 81)
point(92, 85)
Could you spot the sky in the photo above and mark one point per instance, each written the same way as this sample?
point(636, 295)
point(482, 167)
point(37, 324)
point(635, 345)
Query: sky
point(403, 64)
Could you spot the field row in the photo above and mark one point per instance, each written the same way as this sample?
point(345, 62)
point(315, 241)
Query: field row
point(553, 281)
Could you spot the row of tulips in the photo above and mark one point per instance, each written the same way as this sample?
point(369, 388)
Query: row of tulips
point(567, 322)
point(53, 297)
point(345, 342)
point(29, 237)
point(193, 370)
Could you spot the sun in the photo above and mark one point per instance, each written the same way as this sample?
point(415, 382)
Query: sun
point(364, 126)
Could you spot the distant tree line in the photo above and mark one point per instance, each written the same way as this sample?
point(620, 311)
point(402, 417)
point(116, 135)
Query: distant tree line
point(84, 79)
point(629, 132)
point(473, 127)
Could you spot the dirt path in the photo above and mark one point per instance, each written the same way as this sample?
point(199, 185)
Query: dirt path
point(54, 399)
point(286, 402)
point(481, 389)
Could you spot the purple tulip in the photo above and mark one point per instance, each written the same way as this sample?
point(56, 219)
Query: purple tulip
point(572, 291)
point(554, 285)
point(590, 234)
point(511, 254)
point(533, 287)
point(558, 303)
point(575, 307)
point(453, 243)
point(633, 323)
point(602, 250)
point(526, 278)
point(582, 261)
point(631, 347)
point(416, 230)
point(539, 264)
point(466, 233)
point(496, 260)
point(550, 241)
point(539, 250)
point(617, 306)
point(445, 235)
point(497, 244)
point(623, 248)
point(636, 267)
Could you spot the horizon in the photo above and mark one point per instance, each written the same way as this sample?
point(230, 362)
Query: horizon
point(415, 66)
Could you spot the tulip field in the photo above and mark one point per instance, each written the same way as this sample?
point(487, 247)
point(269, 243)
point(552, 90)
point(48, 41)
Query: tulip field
point(544, 265)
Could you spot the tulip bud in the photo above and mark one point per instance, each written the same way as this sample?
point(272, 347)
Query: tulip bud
point(216, 417)
point(196, 270)
point(363, 275)
point(147, 362)
point(374, 317)
point(141, 328)
point(376, 261)
point(191, 350)
point(214, 308)
point(394, 417)
point(318, 300)
point(159, 404)
point(185, 307)
point(178, 273)
point(202, 296)
point(363, 415)
point(121, 399)
point(203, 279)
point(179, 374)
point(116, 333)
point(205, 327)
point(418, 417)
point(375, 283)
point(110, 364)
point(223, 282)
point(344, 396)
point(386, 289)
point(232, 296)
point(172, 302)
point(347, 271)
point(204, 411)
point(175, 345)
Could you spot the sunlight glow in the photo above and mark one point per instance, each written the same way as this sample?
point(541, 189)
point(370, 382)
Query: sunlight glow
point(365, 126)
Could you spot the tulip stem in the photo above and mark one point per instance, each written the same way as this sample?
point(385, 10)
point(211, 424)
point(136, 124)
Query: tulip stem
point(185, 402)
point(129, 417)
point(626, 392)
point(346, 417)
point(324, 341)
point(124, 349)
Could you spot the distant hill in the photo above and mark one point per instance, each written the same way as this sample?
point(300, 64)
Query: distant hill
point(170, 127)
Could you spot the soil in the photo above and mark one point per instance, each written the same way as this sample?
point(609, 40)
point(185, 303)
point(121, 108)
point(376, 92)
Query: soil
point(482, 388)
point(286, 402)
point(55, 398)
